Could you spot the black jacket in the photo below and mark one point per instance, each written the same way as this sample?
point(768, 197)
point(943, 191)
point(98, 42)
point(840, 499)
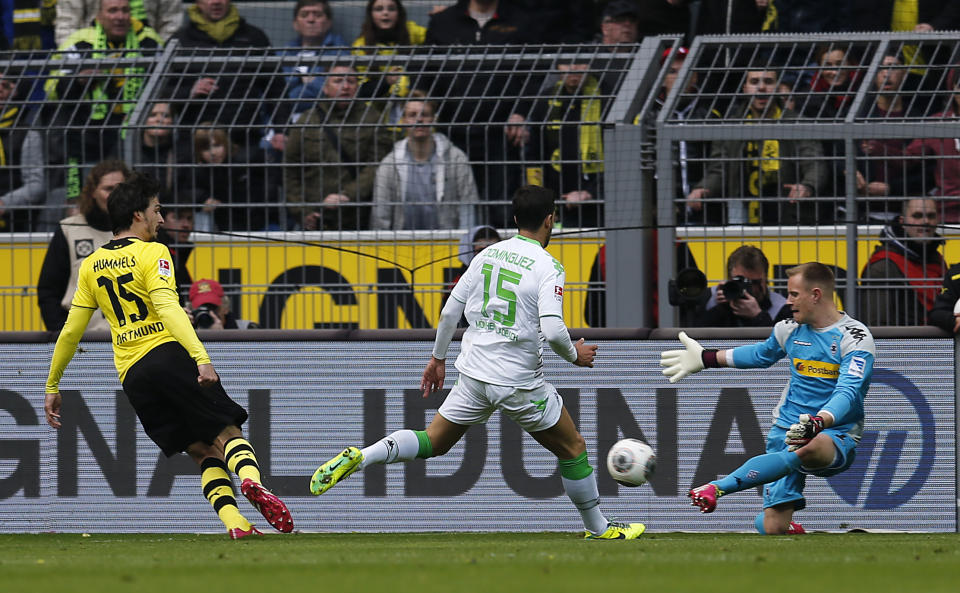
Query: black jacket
point(233, 82)
point(942, 313)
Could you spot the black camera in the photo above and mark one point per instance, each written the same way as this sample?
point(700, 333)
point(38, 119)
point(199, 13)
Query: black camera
point(689, 289)
point(735, 288)
point(203, 316)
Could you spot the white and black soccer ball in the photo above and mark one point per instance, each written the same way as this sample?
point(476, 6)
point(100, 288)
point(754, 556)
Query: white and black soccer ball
point(631, 462)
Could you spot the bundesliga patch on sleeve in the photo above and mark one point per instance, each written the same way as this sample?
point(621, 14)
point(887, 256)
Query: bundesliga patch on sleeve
point(164, 268)
point(857, 367)
point(558, 293)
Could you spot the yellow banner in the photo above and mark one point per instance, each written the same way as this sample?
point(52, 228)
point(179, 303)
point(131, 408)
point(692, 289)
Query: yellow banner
point(292, 285)
point(400, 284)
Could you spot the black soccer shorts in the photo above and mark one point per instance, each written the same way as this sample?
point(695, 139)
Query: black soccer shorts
point(173, 408)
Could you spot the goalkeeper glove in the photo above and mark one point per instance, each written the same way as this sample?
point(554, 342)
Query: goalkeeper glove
point(681, 363)
point(802, 432)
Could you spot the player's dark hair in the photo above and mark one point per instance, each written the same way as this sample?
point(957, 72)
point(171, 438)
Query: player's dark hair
point(815, 274)
point(531, 204)
point(130, 197)
point(749, 257)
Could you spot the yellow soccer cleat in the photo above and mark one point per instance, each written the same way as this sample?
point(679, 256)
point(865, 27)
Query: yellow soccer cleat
point(335, 470)
point(618, 530)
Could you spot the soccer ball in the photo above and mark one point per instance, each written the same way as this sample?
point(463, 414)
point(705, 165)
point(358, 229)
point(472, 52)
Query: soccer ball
point(631, 462)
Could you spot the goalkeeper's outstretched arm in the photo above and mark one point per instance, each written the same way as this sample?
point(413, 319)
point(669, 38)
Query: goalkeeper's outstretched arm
point(693, 359)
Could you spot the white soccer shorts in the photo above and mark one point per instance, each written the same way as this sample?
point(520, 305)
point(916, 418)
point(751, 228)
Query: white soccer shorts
point(472, 402)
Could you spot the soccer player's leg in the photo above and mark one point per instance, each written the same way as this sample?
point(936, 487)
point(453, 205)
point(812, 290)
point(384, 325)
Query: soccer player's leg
point(218, 490)
point(462, 407)
point(241, 459)
point(401, 445)
point(776, 463)
point(549, 423)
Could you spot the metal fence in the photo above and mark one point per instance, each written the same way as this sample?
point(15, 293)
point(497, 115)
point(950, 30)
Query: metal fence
point(304, 184)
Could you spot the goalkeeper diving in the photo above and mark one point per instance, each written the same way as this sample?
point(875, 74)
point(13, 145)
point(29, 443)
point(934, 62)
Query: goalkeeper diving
point(819, 418)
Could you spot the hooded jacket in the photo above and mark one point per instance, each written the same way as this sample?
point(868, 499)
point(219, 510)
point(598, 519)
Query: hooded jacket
point(456, 189)
point(901, 280)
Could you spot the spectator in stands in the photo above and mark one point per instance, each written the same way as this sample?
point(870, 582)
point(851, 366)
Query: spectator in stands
point(620, 23)
point(234, 192)
point(920, 16)
point(76, 237)
point(160, 149)
point(476, 122)
point(332, 156)
point(570, 144)
point(834, 85)
point(883, 171)
point(745, 299)
point(690, 156)
point(425, 182)
point(96, 102)
point(945, 313)
point(313, 24)
point(942, 155)
point(27, 25)
point(238, 97)
point(210, 308)
point(22, 157)
point(385, 26)
point(163, 16)
point(902, 278)
point(768, 182)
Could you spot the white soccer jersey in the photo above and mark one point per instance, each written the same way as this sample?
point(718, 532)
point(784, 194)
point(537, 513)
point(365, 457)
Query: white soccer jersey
point(508, 287)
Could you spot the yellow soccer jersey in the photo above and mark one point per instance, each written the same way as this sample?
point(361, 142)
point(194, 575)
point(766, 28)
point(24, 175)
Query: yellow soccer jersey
point(127, 279)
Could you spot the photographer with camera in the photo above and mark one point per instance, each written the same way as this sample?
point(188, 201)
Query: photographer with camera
point(745, 299)
point(210, 308)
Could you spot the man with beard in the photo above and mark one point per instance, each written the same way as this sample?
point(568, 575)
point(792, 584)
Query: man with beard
point(901, 281)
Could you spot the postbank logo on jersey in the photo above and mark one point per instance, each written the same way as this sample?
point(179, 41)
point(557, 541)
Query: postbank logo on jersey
point(817, 369)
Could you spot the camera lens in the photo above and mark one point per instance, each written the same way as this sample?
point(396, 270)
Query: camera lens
point(202, 317)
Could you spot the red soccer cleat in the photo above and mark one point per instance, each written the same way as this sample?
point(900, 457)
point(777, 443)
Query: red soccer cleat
point(705, 497)
point(795, 529)
point(237, 533)
point(271, 507)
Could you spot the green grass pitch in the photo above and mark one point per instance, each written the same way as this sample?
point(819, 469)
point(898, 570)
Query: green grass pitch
point(490, 562)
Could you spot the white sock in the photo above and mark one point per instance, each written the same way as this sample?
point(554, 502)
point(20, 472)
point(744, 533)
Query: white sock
point(401, 445)
point(586, 497)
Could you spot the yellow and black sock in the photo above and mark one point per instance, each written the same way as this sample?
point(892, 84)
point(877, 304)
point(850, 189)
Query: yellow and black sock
point(218, 489)
point(241, 459)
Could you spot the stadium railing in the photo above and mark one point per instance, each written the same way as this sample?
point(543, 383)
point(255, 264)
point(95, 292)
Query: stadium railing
point(617, 137)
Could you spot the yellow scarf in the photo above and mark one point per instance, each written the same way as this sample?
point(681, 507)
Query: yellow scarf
point(6, 121)
point(221, 30)
point(591, 134)
point(766, 165)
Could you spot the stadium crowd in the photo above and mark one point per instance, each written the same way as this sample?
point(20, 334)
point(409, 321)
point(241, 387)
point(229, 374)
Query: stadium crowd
point(377, 140)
